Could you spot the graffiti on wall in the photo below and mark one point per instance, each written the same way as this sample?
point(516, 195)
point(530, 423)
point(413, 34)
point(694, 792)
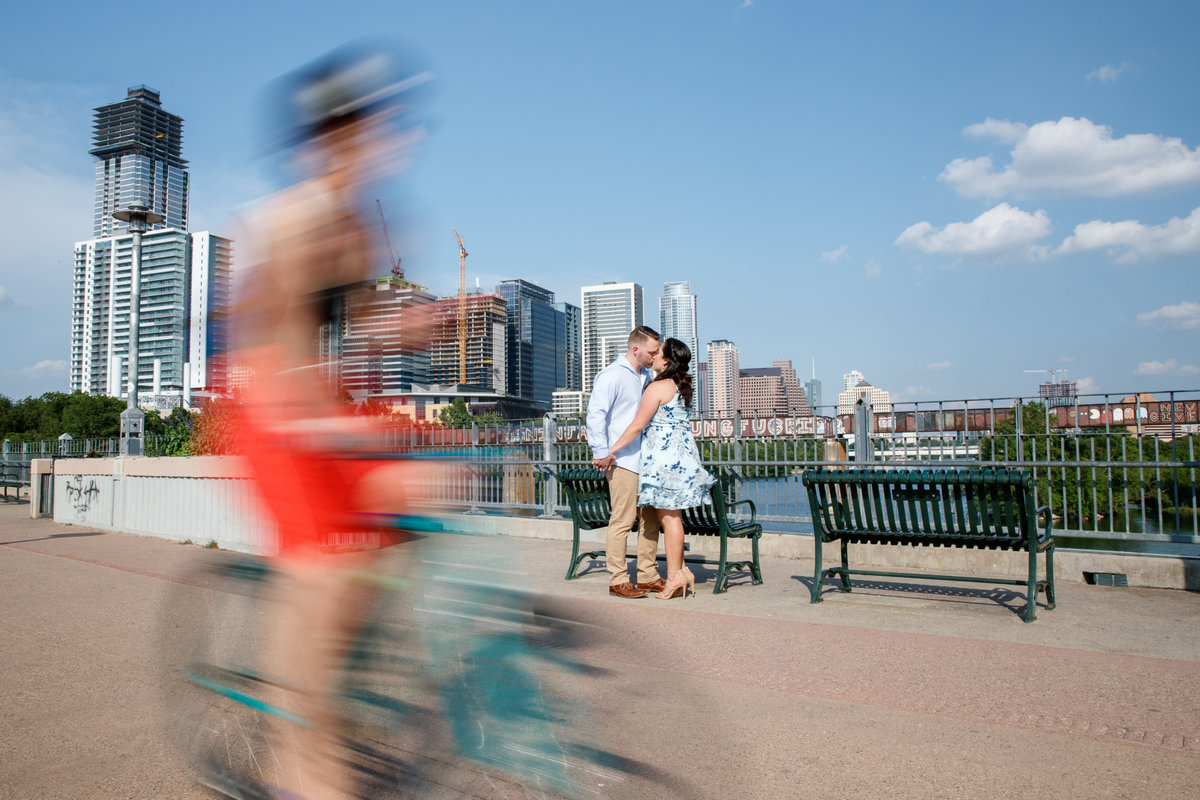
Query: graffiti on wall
point(82, 492)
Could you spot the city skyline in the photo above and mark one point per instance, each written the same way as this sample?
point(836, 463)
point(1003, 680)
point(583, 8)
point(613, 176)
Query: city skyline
point(937, 195)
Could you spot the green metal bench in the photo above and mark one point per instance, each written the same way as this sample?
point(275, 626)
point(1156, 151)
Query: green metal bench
point(13, 476)
point(990, 508)
point(587, 495)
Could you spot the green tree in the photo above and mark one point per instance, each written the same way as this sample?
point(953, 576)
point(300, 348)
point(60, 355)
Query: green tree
point(373, 407)
point(170, 435)
point(456, 415)
point(55, 413)
point(1076, 494)
point(92, 416)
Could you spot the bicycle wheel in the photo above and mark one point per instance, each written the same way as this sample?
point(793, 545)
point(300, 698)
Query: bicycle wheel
point(217, 703)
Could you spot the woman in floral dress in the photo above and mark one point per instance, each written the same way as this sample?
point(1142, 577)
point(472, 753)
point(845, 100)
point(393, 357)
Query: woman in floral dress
point(671, 476)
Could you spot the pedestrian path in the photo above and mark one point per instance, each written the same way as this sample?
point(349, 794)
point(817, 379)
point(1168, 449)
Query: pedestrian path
point(898, 689)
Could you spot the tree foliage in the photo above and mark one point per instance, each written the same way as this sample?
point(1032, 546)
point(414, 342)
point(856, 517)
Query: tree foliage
point(458, 415)
point(1077, 493)
point(83, 416)
point(214, 429)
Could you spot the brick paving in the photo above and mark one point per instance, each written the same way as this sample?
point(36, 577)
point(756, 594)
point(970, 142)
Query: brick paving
point(899, 689)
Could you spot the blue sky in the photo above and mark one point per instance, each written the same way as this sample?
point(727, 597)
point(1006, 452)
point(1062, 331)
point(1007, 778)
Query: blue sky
point(941, 195)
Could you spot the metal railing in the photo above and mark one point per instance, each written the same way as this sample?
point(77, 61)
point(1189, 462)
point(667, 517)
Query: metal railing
point(1106, 467)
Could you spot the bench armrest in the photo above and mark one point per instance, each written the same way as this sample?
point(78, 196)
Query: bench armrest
point(1049, 521)
point(731, 506)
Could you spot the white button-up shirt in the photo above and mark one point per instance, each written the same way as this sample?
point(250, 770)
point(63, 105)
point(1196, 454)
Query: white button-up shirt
point(616, 394)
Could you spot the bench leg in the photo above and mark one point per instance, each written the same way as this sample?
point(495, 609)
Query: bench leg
point(1050, 577)
point(755, 570)
point(576, 556)
point(722, 567)
point(845, 573)
point(818, 576)
point(574, 553)
point(1031, 587)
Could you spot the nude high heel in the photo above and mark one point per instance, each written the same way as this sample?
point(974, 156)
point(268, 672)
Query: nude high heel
point(678, 585)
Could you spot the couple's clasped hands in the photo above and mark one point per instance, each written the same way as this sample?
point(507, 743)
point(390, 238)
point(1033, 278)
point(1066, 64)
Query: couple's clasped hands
point(603, 463)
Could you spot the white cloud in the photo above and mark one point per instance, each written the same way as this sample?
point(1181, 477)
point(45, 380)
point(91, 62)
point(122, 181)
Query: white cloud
point(1129, 240)
point(45, 370)
point(1086, 386)
point(1003, 233)
point(1183, 316)
point(6, 298)
point(834, 256)
point(1107, 73)
point(1000, 129)
point(938, 366)
point(1156, 367)
point(1163, 368)
point(1074, 156)
point(874, 269)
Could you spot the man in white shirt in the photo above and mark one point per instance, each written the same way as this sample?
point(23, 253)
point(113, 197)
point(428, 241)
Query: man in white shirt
point(616, 393)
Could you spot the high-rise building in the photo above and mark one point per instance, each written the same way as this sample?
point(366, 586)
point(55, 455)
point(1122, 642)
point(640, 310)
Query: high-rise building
point(610, 313)
point(702, 394)
point(812, 391)
point(184, 289)
point(569, 403)
point(723, 374)
point(139, 160)
point(677, 316)
point(536, 339)
point(879, 400)
point(677, 320)
point(851, 379)
point(486, 361)
point(184, 286)
point(767, 391)
point(379, 350)
point(208, 337)
point(571, 377)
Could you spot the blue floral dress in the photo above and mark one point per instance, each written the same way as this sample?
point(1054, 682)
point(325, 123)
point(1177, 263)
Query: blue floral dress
point(671, 473)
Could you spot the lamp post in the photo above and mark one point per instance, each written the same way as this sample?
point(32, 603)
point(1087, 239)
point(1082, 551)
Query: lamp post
point(133, 421)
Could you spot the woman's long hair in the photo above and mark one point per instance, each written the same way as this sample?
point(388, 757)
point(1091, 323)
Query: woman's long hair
point(678, 357)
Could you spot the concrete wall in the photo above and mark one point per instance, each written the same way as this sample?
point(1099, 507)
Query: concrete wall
point(209, 498)
point(202, 499)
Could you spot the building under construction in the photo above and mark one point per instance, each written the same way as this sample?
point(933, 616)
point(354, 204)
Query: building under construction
point(486, 318)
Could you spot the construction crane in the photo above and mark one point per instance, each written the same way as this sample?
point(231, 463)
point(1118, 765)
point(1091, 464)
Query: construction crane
point(393, 262)
point(1053, 374)
point(462, 309)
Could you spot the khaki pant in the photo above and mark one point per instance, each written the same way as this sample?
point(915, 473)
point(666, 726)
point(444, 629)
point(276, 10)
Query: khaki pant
point(622, 489)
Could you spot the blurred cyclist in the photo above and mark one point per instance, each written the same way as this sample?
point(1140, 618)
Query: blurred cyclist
point(343, 120)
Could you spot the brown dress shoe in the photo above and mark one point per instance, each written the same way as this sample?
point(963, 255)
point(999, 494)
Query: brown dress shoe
point(656, 585)
point(626, 589)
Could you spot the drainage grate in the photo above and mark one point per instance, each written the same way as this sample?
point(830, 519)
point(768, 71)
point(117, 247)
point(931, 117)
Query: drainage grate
point(1106, 578)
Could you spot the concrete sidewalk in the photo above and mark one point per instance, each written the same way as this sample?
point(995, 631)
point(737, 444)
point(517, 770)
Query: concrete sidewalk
point(898, 689)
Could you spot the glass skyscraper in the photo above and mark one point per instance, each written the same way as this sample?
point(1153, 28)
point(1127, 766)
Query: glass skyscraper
point(139, 160)
point(677, 316)
point(677, 320)
point(534, 345)
point(610, 313)
point(571, 372)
